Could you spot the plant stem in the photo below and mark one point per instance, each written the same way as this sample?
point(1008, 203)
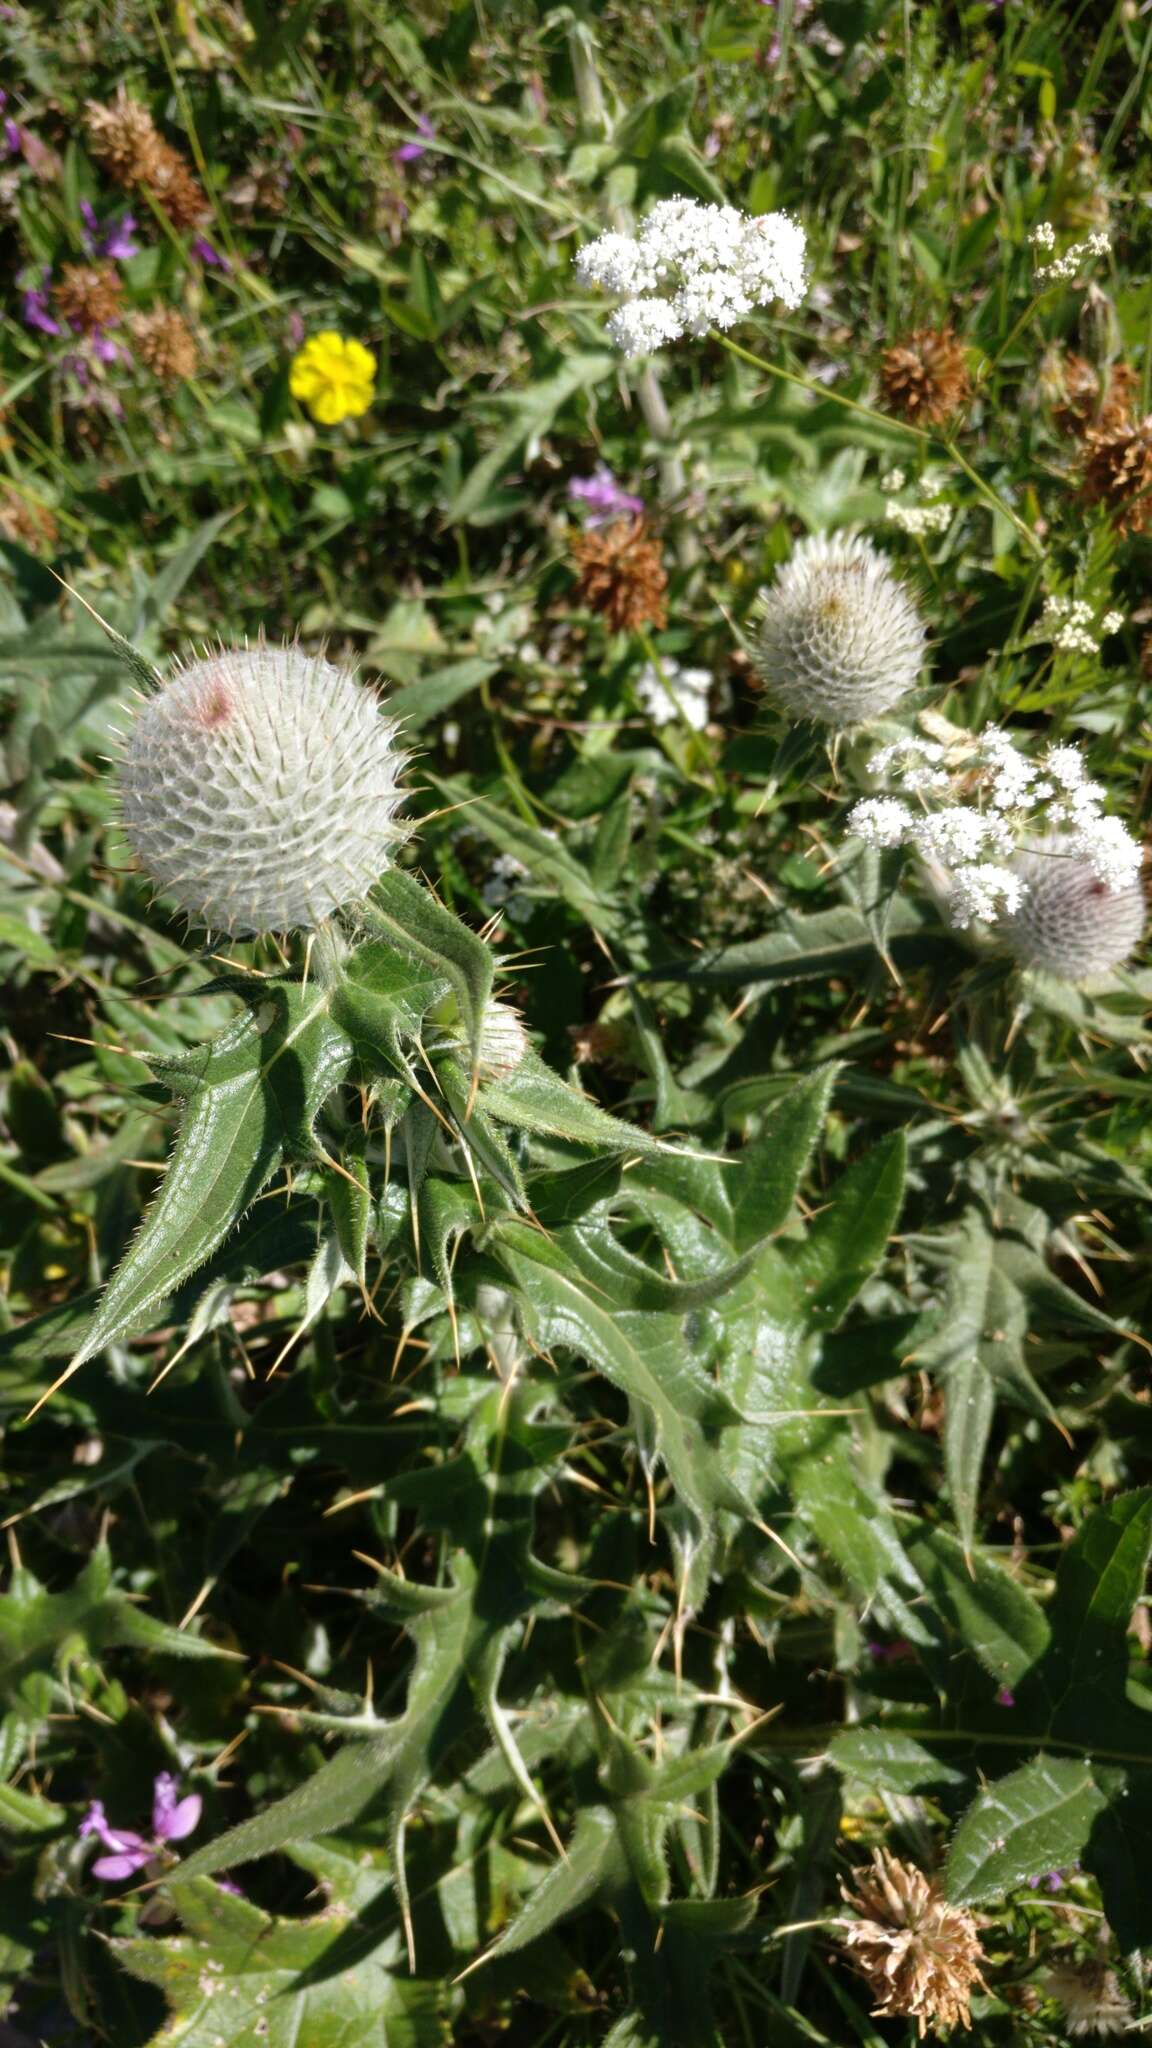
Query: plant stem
point(990, 495)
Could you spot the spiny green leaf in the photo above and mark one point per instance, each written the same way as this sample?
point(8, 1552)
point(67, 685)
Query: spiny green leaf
point(1035, 1820)
point(408, 915)
point(771, 1168)
point(256, 1094)
point(238, 1976)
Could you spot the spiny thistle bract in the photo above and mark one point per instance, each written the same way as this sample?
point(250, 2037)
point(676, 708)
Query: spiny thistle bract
point(839, 638)
point(260, 788)
point(1069, 923)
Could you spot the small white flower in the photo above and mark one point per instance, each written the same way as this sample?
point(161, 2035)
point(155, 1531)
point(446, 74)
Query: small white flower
point(641, 326)
point(892, 481)
point(679, 692)
point(1043, 236)
point(1111, 623)
point(1108, 850)
point(881, 821)
point(918, 519)
point(1065, 765)
point(1073, 260)
point(616, 263)
point(981, 892)
point(691, 267)
point(956, 834)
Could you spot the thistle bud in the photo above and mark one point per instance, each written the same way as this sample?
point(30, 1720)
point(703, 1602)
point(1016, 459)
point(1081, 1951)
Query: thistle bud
point(260, 788)
point(503, 1041)
point(840, 639)
point(1070, 923)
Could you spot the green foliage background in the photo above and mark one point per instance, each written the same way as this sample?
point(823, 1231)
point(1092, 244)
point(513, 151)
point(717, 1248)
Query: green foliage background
point(722, 1446)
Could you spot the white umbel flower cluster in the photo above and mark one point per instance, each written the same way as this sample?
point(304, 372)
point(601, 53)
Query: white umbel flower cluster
point(693, 266)
point(839, 638)
point(1018, 843)
point(1064, 268)
point(260, 788)
point(1070, 624)
point(671, 692)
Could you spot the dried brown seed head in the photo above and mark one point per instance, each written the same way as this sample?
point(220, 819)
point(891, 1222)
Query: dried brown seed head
point(1118, 472)
point(925, 378)
point(1085, 397)
point(621, 575)
point(165, 344)
point(89, 296)
point(919, 1956)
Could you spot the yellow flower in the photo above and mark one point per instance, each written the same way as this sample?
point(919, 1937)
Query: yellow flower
point(334, 378)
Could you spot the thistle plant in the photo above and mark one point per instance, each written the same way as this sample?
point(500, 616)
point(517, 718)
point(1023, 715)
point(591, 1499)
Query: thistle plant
point(260, 788)
point(1021, 843)
point(839, 638)
point(1069, 920)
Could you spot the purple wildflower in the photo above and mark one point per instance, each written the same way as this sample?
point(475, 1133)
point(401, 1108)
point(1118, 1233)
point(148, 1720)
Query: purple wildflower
point(211, 257)
point(172, 1819)
point(603, 498)
point(114, 241)
point(408, 152)
point(14, 137)
point(1004, 1698)
point(35, 307)
point(1053, 1881)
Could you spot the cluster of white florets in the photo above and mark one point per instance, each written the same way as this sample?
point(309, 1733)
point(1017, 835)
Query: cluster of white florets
point(691, 267)
point(1064, 268)
point(987, 813)
point(1070, 623)
point(930, 511)
point(671, 692)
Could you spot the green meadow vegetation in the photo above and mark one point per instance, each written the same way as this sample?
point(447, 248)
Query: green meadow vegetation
point(575, 1159)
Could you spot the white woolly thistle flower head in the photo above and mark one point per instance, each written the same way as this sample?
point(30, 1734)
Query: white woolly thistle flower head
point(1070, 922)
point(503, 1041)
point(839, 638)
point(260, 788)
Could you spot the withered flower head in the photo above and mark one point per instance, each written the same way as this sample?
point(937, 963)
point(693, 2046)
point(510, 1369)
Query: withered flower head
point(29, 525)
point(1091, 1996)
point(123, 138)
point(919, 1956)
point(621, 575)
point(1118, 472)
point(126, 141)
point(1084, 397)
point(165, 344)
point(89, 295)
point(926, 377)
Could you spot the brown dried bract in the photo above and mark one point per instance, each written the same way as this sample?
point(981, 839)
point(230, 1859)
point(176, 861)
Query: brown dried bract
point(89, 296)
point(165, 344)
point(126, 141)
point(919, 1956)
point(622, 576)
point(925, 379)
point(1084, 398)
point(1118, 472)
